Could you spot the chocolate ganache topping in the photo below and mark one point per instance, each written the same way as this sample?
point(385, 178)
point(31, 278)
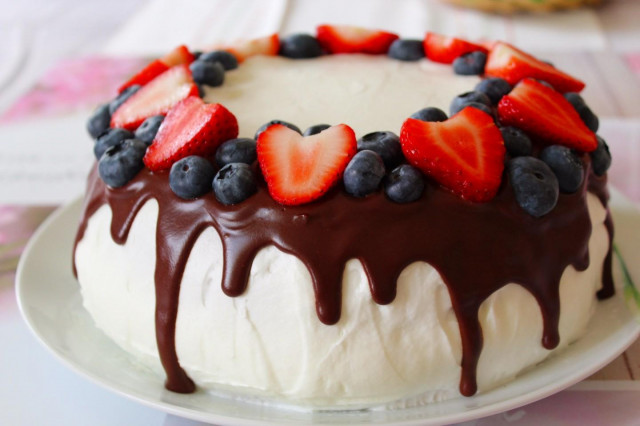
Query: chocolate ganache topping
point(476, 247)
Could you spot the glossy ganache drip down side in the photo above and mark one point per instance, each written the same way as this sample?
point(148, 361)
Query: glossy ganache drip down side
point(476, 247)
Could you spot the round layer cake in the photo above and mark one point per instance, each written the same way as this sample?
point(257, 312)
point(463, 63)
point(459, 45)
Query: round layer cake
point(316, 287)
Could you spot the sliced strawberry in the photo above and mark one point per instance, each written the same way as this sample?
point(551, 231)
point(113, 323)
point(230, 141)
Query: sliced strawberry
point(243, 49)
point(156, 97)
point(505, 61)
point(178, 56)
point(440, 48)
point(351, 39)
point(545, 113)
point(464, 153)
point(190, 128)
point(301, 169)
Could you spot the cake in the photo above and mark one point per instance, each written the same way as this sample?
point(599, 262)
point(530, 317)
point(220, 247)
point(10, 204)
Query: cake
point(398, 253)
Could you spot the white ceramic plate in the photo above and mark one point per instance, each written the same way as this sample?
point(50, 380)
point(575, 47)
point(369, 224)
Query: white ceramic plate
point(49, 299)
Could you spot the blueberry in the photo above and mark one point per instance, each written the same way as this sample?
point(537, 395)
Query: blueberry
point(461, 101)
point(588, 117)
point(210, 74)
point(146, 132)
point(315, 129)
point(495, 88)
point(406, 50)
point(566, 165)
point(363, 173)
point(284, 123)
point(122, 97)
point(534, 185)
point(121, 163)
point(234, 183)
point(299, 46)
point(386, 145)
point(404, 184)
point(108, 139)
point(600, 158)
point(196, 54)
point(430, 114)
point(516, 142)
point(241, 150)
point(202, 92)
point(191, 177)
point(470, 63)
point(99, 121)
point(226, 59)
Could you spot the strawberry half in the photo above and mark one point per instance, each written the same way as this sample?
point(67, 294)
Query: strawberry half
point(505, 61)
point(351, 39)
point(440, 48)
point(243, 49)
point(156, 97)
point(464, 153)
point(301, 169)
point(178, 56)
point(190, 128)
point(545, 113)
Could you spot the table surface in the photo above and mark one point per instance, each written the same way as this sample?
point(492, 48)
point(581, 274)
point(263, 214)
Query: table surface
point(48, 84)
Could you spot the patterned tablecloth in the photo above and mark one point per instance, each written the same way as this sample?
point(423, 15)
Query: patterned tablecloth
point(59, 99)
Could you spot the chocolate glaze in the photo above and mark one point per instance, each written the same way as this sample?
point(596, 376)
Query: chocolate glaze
point(476, 247)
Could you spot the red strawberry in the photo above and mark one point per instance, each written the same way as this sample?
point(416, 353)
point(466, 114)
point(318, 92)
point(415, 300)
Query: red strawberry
point(156, 97)
point(190, 128)
point(350, 39)
point(301, 169)
point(464, 154)
point(178, 56)
point(545, 113)
point(243, 49)
point(440, 48)
point(505, 61)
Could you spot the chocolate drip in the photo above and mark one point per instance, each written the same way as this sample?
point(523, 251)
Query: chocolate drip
point(476, 248)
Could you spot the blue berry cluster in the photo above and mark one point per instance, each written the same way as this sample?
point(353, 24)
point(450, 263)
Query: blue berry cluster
point(209, 68)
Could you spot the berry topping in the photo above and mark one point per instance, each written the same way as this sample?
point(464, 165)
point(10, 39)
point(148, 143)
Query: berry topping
point(108, 139)
point(464, 154)
point(243, 49)
point(272, 122)
point(516, 142)
point(351, 39)
point(122, 97)
point(146, 132)
point(566, 165)
point(301, 169)
point(242, 150)
point(315, 129)
point(430, 114)
point(468, 98)
point(471, 63)
point(210, 74)
point(546, 114)
point(99, 121)
point(513, 65)
point(157, 97)
point(406, 50)
point(363, 173)
point(122, 162)
point(600, 158)
point(440, 48)
point(534, 185)
point(234, 183)
point(404, 184)
point(191, 177)
point(385, 144)
point(494, 87)
point(588, 117)
point(226, 59)
point(190, 128)
point(178, 56)
point(300, 46)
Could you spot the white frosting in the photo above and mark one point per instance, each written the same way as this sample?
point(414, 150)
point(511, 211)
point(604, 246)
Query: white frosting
point(269, 341)
point(366, 92)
